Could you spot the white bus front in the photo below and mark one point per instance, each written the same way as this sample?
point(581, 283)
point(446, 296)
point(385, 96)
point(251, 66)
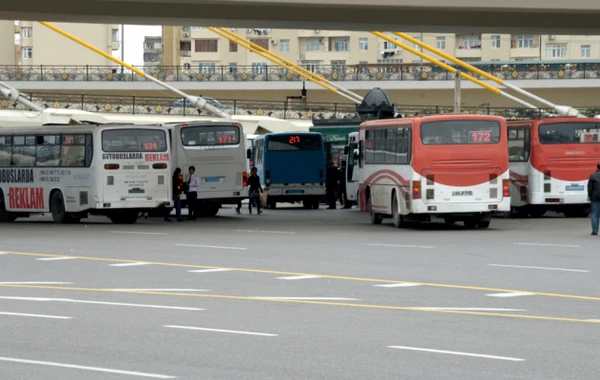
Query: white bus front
point(352, 183)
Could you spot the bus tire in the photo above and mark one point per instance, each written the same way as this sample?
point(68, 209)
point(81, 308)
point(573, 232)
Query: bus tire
point(307, 204)
point(577, 213)
point(208, 210)
point(315, 204)
point(271, 204)
point(5, 216)
point(537, 212)
point(471, 223)
point(124, 217)
point(375, 218)
point(483, 224)
point(398, 219)
point(59, 211)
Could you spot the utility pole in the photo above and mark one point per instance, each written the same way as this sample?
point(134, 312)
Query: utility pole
point(457, 92)
point(420, 49)
point(122, 46)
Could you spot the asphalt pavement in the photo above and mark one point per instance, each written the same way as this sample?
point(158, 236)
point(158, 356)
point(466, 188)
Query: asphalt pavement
point(299, 294)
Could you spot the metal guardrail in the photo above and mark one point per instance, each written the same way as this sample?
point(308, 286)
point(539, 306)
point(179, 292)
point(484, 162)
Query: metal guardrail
point(279, 109)
point(200, 73)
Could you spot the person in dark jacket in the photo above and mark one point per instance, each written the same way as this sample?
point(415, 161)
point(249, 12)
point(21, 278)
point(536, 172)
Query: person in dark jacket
point(593, 189)
point(341, 193)
point(331, 182)
point(177, 184)
point(254, 190)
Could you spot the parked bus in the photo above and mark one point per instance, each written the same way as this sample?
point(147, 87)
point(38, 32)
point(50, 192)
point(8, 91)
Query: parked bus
point(453, 167)
point(218, 150)
point(352, 183)
point(291, 167)
point(74, 171)
point(551, 160)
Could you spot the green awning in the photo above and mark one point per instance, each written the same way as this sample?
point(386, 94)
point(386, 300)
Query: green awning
point(334, 134)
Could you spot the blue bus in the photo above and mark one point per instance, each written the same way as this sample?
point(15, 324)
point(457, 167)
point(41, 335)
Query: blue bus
point(291, 167)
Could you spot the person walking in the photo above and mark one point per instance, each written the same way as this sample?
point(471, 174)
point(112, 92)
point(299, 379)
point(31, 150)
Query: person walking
point(331, 184)
point(254, 189)
point(593, 189)
point(177, 184)
point(192, 194)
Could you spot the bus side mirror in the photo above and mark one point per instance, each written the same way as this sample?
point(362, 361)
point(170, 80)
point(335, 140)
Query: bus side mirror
point(346, 150)
point(249, 154)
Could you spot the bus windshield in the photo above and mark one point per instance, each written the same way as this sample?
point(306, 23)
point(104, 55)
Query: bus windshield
point(294, 142)
point(569, 133)
point(134, 140)
point(210, 135)
point(460, 132)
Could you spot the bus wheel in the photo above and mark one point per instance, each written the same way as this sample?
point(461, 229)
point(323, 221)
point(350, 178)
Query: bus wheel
point(577, 213)
point(315, 204)
point(398, 219)
point(537, 212)
point(449, 221)
point(271, 204)
point(58, 210)
point(124, 217)
point(307, 204)
point(5, 216)
point(375, 218)
point(208, 210)
point(471, 223)
point(483, 224)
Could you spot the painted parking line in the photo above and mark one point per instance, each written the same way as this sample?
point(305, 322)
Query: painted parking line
point(297, 277)
point(220, 330)
point(36, 283)
point(210, 270)
point(128, 264)
point(67, 300)
point(161, 290)
point(210, 246)
point(138, 233)
point(400, 246)
point(402, 285)
point(549, 245)
point(86, 368)
point(471, 309)
point(310, 298)
point(55, 258)
point(268, 232)
point(540, 268)
point(34, 315)
point(456, 353)
point(507, 295)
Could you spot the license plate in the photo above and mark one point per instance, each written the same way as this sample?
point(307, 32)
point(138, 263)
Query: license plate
point(213, 179)
point(575, 188)
point(462, 193)
point(294, 191)
point(137, 191)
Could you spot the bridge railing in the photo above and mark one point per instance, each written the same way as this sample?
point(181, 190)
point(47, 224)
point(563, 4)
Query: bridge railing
point(279, 109)
point(341, 73)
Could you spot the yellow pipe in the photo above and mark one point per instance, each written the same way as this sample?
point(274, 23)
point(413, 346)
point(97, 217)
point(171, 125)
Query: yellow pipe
point(81, 42)
point(438, 63)
point(449, 57)
point(308, 72)
point(247, 46)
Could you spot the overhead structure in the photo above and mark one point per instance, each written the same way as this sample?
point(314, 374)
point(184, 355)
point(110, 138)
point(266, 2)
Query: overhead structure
point(288, 65)
point(194, 101)
point(561, 110)
point(13, 95)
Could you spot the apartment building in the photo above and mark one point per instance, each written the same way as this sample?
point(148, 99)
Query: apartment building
point(314, 49)
point(153, 51)
point(33, 44)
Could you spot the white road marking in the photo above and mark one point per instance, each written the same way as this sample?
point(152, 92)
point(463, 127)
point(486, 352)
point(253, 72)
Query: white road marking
point(4, 253)
point(85, 368)
point(457, 353)
point(543, 268)
point(297, 277)
point(504, 295)
point(160, 290)
point(127, 264)
point(35, 315)
point(138, 233)
point(209, 270)
point(211, 246)
point(400, 246)
point(35, 283)
point(219, 330)
point(55, 258)
point(403, 285)
point(469, 309)
point(549, 245)
point(99, 303)
point(311, 298)
point(267, 232)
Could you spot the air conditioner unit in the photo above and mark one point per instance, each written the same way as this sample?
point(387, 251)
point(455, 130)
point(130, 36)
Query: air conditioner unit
point(317, 31)
point(273, 42)
point(552, 37)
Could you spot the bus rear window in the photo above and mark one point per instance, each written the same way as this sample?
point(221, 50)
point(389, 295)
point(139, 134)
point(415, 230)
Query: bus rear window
point(569, 133)
point(460, 132)
point(294, 142)
point(210, 135)
point(134, 140)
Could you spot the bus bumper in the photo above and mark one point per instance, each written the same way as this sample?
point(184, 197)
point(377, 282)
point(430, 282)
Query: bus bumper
point(141, 204)
point(440, 208)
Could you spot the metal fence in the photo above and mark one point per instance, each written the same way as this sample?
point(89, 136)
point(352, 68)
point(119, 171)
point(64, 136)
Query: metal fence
point(203, 73)
point(279, 109)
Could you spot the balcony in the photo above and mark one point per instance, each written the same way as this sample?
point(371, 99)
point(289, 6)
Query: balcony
point(185, 53)
point(468, 52)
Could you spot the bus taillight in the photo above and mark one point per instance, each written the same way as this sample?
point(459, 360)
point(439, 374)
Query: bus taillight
point(111, 166)
point(159, 166)
point(505, 188)
point(245, 177)
point(416, 190)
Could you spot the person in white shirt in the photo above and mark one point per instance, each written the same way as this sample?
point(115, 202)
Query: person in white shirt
point(192, 194)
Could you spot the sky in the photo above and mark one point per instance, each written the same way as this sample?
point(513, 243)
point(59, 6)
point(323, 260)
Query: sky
point(134, 42)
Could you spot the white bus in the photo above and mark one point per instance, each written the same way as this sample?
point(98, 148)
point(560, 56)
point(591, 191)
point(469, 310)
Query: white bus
point(74, 171)
point(352, 182)
point(218, 151)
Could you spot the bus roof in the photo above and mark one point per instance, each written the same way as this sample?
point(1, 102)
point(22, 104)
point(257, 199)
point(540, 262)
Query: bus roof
point(49, 129)
point(557, 119)
point(444, 117)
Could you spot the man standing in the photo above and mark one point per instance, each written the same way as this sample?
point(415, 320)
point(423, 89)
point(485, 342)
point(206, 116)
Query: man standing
point(192, 195)
point(593, 189)
point(177, 183)
point(331, 184)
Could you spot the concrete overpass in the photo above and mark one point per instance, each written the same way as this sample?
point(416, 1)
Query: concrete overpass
point(536, 16)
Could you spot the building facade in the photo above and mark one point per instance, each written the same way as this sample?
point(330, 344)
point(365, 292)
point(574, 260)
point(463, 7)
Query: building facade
point(153, 52)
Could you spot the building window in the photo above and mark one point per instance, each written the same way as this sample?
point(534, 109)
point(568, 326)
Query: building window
point(313, 44)
point(586, 51)
point(441, 43)
point(262, 42)
point(233, 68)
point(259, 68)
point(26, 32)
point(472, 42)
point(312, 66)
point(495, 42)
point(364, 44)
point(206, 46)
point(417, 47)
point(115, 35)
point(233, 47)
point(341, 44)
point(284, 46)
point(27, 53)
point(208, 68)
point(524, 41)
point(389, 46)
point(556, 51)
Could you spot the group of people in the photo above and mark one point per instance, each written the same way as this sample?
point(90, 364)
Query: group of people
point(336, 186)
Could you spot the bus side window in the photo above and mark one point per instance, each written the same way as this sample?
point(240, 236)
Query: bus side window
point(5, 150)
point(518, 145)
